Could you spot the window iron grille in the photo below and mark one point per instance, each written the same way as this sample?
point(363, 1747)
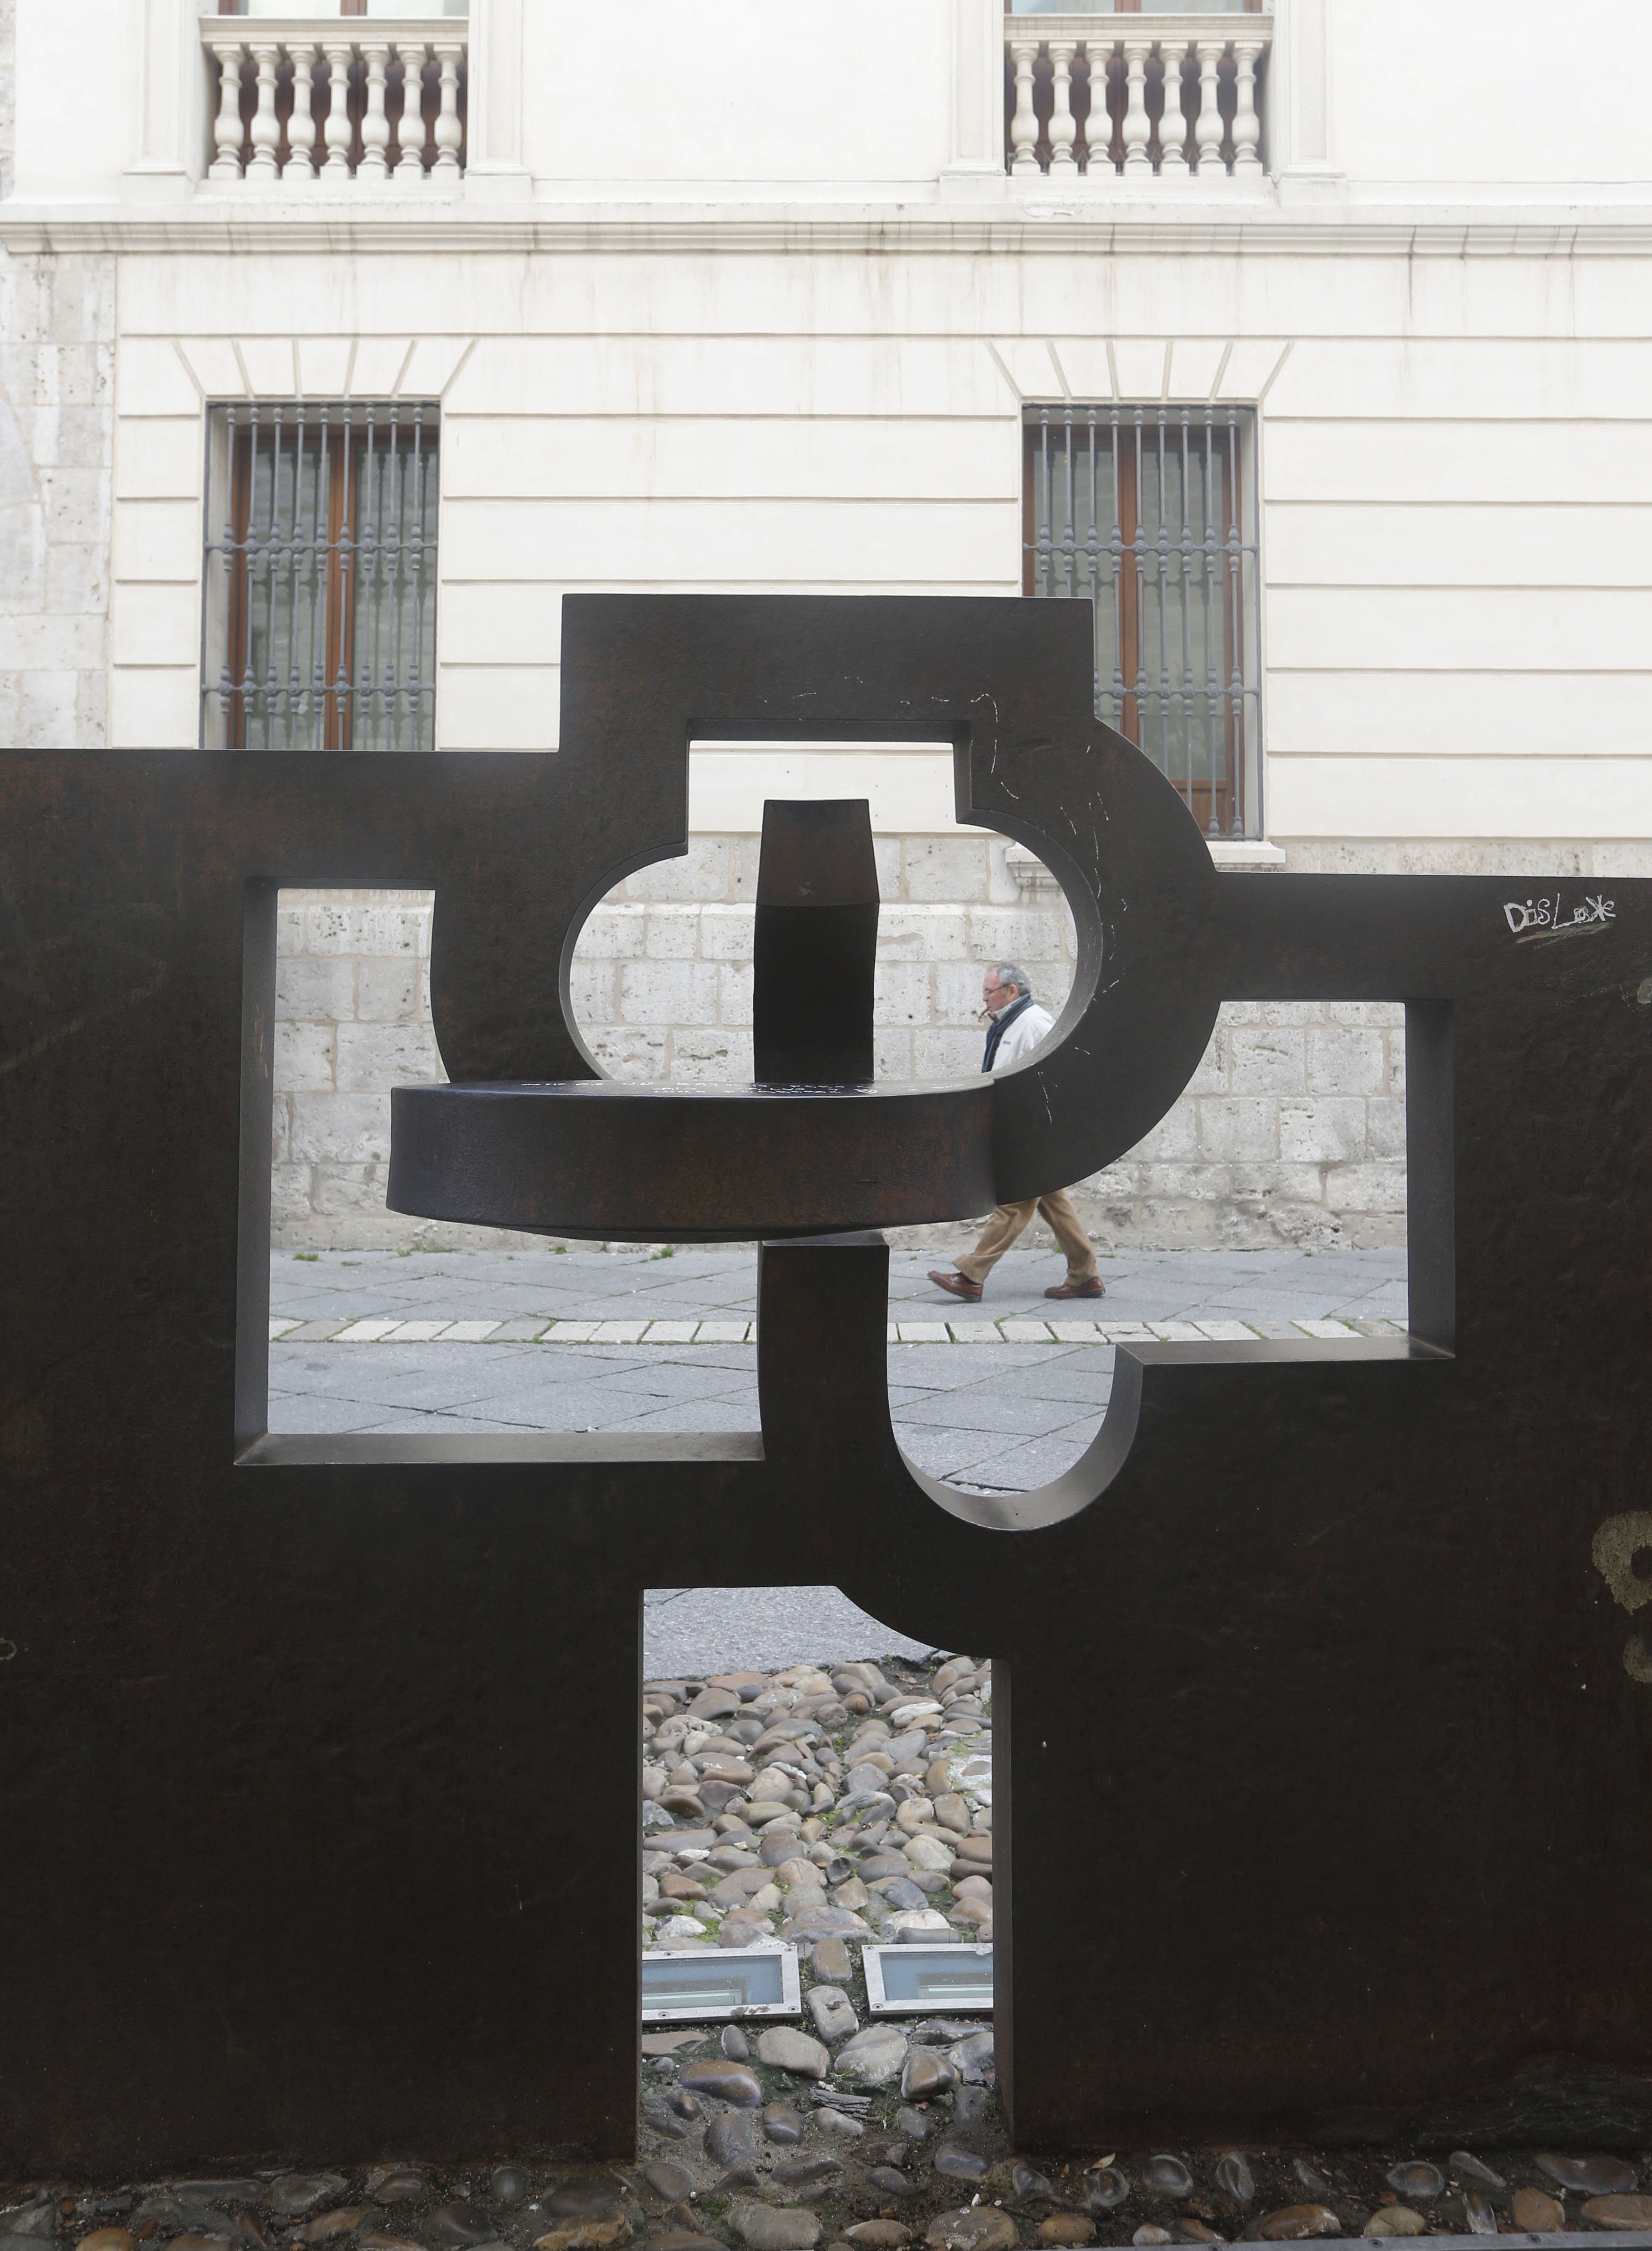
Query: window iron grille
point(1148, 512)
point(320, 628)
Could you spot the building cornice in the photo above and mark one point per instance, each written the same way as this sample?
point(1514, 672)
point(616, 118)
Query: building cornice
point(1017, 224)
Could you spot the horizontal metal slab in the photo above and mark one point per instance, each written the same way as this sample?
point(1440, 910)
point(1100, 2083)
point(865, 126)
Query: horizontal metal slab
point(597, 1161)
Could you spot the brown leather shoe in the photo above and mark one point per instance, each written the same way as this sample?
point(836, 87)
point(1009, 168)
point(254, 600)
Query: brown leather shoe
point(1094, 1288)
point(957, 1285)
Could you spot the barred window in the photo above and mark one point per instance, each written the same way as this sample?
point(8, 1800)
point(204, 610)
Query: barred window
point(1148, 513)
point(320, 628)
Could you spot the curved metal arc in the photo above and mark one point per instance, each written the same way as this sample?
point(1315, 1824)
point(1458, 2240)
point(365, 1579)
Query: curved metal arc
point(1122, 1051)
point(607, 881)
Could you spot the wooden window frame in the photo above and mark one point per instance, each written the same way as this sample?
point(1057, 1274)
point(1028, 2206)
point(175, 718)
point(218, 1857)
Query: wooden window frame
point(350, 537)
point(338, 706)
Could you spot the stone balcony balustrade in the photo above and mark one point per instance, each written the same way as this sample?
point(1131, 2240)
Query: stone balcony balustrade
point(353, 105)
point(1155, 100)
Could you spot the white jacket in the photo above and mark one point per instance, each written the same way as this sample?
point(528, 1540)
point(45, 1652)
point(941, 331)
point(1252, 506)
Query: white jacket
point(1029, 1030)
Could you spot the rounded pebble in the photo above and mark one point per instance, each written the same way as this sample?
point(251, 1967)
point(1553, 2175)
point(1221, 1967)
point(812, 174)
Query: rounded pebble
point(296, 2193)
point(1066, 2229)
point(764, 2228)
point(783, 2048)
point(1416, 2176)
point(1619, 2210)
point(1536, 2212)
point(508, 2184)
point(1235, 2178)
point(733, 2138)
point(1292, 2223)
point(954, 2163)
point(736, 2046)
point(840, 2123)
point(781, 2123)
point(924, 2075)
point(873, 2057)
point(1395, 2220)
point(402, 2185)
point(343, 2221)
point(1108, 2189)
point(1589, 2176)
point(731, 2082)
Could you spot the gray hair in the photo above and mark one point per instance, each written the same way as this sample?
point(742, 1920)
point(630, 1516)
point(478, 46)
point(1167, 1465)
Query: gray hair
point(1011, 972)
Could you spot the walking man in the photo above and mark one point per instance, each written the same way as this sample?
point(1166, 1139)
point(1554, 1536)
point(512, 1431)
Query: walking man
point(1019, 1025)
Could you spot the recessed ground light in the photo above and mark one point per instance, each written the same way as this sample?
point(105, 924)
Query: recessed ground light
point(723, 1982)
point(911, 1980)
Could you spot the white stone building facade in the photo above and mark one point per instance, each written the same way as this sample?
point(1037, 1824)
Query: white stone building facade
point(782, 319)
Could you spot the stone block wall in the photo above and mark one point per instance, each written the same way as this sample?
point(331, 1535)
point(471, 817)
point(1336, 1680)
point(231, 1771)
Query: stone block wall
point(8, 92)
point(662, 984)
point(352, 1010)
point(56, 437)
point(1291, 1131)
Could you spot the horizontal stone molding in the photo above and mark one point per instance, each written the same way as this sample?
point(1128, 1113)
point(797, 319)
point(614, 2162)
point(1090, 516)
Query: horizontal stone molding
point(1026, 223)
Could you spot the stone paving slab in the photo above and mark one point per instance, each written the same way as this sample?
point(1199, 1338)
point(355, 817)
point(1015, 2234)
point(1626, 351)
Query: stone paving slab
point(721, 1284)
point(1000, 1398)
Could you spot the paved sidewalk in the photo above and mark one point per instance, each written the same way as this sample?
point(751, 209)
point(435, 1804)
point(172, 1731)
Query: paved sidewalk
point(1000, 1414)
point(388, 1343)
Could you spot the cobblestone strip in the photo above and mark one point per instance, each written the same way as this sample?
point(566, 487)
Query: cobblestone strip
point(1009, 1331)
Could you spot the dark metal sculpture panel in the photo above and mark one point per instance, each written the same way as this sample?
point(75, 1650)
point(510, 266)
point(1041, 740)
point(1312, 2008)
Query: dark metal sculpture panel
point(281, 1840)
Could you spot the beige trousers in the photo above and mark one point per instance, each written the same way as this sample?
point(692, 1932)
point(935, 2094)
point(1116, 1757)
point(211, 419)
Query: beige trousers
point(1010, 1219)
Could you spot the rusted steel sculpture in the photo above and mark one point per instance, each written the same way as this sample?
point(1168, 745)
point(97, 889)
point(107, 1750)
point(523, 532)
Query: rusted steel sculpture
point(286, 1867)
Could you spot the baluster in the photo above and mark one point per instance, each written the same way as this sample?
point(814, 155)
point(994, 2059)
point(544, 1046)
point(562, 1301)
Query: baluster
point(1089, 80)
point(1098, 127)
point(408, 167)
point(300, 127)
point(1208, 132)
point(449, 132)
point(266, 133)
point(339, 53)
point(1248, 168)
point(226, 126)
point(375, 165)
point(1172, 124)
point(1024, 126)
point(1137, 130)
point(1064, 124)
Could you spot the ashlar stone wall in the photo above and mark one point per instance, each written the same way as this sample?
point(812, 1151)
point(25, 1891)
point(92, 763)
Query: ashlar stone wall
point(57, 457)
point(57, 434)
point(1292, 1131)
